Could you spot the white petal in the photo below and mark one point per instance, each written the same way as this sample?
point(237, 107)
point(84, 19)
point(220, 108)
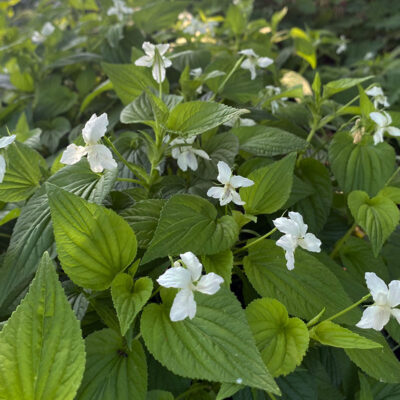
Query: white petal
point(287, 242)
point(396, 313)
point(215, 192)
point(238, 181)
point(100, 157)
point(183, 306)
point(95, 128)
point(145, 61)
point(289, 255)
point(193, 265)
point(264, 62)
point(374, 317)
point(181, 159)
point(148, 48)
point(201, 153)
point(374, 91)
point(72, 154)
point(210, 283)
point(6, 140)
point(248, 52)
point(375, 285)
point(298, 219)
point(158, 72)
point(388, 118)
point(162, 48)
point(175, 277)
point(2, 168)
point(246, 122)
point(48, 29)
point(288, 226)
point(237, 199)
point(394, 293)
point(167, 62)
point(224, 172)
point(310, 242)
point(191, 160)
point(393, 131)
point(378, 118)
point(226, 198)
point(250, 65)
point(378, 136)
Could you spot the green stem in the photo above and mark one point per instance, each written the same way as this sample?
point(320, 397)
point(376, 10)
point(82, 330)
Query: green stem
point(339, 314)
point(5, 235)
point(130, 180)
point(233, 70)
point(255, 241)
point(393, 176)
point(271, 396)
point(155, 292)
point(192, 389)
point(340, 243)
point(314, 128)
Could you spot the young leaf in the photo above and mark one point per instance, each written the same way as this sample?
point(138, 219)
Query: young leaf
point(94, 244)
point(190, 223)
point(112, 370)
point(215, 345)
point(331, 334)
point(129, 298)
point(282, 341)
point(378, 216)
point(271, 189)
point(41, 347)
point(304, 46)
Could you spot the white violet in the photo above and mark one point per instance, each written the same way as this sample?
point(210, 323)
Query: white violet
point(185, 154)
point(4, 142)
point(342, 45)
point(378, 96)
point(39, 37)
point(383, 121)
point(98, 155)
point(186, 276)
point(253, 60)
point(119, 9)
point(295, 231)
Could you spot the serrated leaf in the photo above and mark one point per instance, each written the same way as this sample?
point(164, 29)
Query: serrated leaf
point(305, 291)
point(331, 334)
point(42, 354)
point(221, 264)
point(378, 216)
point(282, 341)
point(112, 370)
point(94, 244)
point(190, 223)
point(272, 186)
point(216, 345)
point(24, 171)
point(361, 166)
point(129, 298)
point(267, 141)
point(195, 117)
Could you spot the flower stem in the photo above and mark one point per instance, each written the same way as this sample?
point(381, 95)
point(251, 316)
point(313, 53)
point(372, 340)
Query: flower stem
point(255, 241)
point(357, 303)
point(130, 180)
point(341, 242)
point(271, 396)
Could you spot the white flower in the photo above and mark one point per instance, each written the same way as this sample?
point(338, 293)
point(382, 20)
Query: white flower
point(197, 27)
point(231, 182)
point(155, 58)
point(119, 9)
point(186, 154)
point(295, 231)
point(188, 280)
point(253, 60)
point(369, 56)
point(385, 299)
point(383, 121)
point(378, 96)
point(342, 46)
point(275, 104)
point(4, 142)
point(98, 155)
point(237, 121)
point(39, 37)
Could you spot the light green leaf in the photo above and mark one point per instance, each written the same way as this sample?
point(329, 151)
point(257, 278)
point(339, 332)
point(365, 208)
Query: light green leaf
point(221, 264)
point(24, 171)
point(331, 334)
point(94, 244)
point(129, 298)
point(112, 370)
point(305, 291)
point(195, 117)
point(190, 223)
point(227, 390)
point(282, 341)
point(380, 363)
point(340, 85)
point(97, 91)
point(215, 345)
point(391, 192)
point(361, 166)
point(267, 141)
point(235, 20)
point(304, 46)
point(42, 354)
point(378, 216)
point(271, 189)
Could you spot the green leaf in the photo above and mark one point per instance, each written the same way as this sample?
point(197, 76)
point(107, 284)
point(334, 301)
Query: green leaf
point(97, 91)
point(227, 390)
point(235, 20)
point(94, 244)
point(391, 192)
point(216, 345)
point(315, 209)
point(378, 217)
point(143, 218)
point(331, 334)
point(272, 186)
point(365, 388)
point(267, 141)
point(304, 46)
point(361, 166)
point(380, 363)
point(195, 117)
point(159, 395)
point(53, 131)
point(128, 298)
point(221, 264)
point(304, 291)
point(340, 85)
point(282, 341)
point(112, 370)
point(41, 347)
point(24, 171)
point(190, 223)
point(33, 232)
